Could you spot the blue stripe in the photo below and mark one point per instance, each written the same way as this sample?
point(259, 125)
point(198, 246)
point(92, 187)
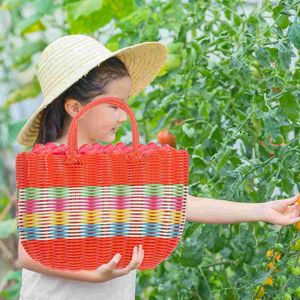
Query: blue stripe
point(95, 230)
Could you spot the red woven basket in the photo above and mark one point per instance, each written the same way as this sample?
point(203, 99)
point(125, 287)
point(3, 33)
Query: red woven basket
point(78, 207)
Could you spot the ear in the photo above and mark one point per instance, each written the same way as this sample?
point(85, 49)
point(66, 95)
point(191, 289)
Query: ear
point(72, 106)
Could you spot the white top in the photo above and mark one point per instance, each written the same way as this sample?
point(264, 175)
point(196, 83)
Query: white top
point(37, 286)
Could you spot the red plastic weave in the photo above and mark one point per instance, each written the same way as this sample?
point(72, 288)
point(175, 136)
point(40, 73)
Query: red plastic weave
point(78, 207)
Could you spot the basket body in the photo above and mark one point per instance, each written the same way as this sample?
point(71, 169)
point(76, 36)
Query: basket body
point(74, 216)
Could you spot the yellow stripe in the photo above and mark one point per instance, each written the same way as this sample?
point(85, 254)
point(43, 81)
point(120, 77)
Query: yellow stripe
point(97, 217)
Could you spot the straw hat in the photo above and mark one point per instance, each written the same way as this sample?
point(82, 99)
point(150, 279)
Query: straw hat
point(64, 61)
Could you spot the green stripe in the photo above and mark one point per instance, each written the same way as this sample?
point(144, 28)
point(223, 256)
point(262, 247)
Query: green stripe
point(114, 190)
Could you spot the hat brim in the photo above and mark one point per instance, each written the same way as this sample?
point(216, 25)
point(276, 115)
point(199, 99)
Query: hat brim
point(143, 61)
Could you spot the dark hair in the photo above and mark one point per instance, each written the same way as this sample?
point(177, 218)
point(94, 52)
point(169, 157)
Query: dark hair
point(89, 86)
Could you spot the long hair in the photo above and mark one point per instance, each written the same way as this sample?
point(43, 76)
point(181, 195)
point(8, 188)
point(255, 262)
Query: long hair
point(86, 88)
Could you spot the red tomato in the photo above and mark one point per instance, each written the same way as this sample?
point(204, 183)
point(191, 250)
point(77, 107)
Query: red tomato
point(164, 137)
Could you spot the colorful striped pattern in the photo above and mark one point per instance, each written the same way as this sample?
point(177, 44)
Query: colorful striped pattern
point(136, 211)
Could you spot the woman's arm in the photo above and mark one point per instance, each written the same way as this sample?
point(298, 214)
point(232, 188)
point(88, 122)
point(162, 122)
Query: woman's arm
point(28, 263)
point(214, 211)
point(207, 210)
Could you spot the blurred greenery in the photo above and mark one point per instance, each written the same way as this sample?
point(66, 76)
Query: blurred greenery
point(229, 93)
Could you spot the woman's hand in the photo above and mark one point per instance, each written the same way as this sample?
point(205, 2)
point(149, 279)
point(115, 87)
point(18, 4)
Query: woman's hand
point(282, 212)
point(109, 271)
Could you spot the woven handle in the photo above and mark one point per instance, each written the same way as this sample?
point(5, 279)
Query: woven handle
point(73, 139)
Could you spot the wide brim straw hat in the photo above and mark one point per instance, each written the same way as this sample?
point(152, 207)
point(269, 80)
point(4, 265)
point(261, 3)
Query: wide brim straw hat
point(68, 58)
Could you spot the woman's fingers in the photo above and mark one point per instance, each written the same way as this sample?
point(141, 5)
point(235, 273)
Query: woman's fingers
point(111, 264)
point(137, 256)
point(141, 257)
point(115, 260)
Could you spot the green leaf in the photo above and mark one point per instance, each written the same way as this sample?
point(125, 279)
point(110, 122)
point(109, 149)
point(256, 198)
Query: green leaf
point(85, 8)
point(270, 123)
point(45, 7)
point(281, 19)
point(199, 162)
point(224, 159)
point(113, 43)
point(294, 35)
point(235, 62)
point(263, 56)
point(189, 131)
point(26, 91)
point(24, 53)
point(252, 24)
point(8, 227)
point(285, 54)
point(190, 228)
point(134, 19)
point(122, 8)
point(29, 25)
point(290, 106)
point(88, 20)
point(190, 255)
point(204, 109)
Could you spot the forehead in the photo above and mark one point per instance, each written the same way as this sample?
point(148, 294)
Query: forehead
point(119, 87)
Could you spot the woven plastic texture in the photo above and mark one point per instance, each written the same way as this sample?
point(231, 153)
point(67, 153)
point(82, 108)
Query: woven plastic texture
point(78, 207)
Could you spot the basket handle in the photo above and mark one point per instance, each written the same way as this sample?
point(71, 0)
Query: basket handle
point(72, 136)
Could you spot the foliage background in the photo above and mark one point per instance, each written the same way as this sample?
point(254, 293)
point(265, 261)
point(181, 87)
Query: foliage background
point(229, 93)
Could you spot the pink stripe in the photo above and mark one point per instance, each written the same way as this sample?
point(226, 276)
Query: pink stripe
point(91, 203)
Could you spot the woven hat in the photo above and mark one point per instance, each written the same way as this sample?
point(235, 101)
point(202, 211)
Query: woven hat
point(64, 61)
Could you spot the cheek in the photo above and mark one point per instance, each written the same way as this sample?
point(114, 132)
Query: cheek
point(98, 120)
